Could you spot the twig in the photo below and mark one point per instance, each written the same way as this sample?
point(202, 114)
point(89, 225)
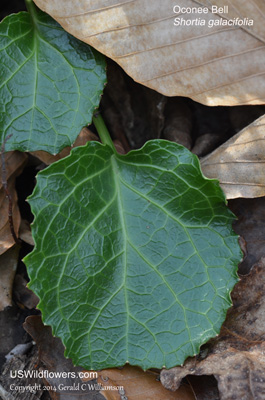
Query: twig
point(193, 392)
point(8, 195)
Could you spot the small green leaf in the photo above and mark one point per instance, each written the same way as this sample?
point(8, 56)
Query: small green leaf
point(135, 256)
point(50, 83)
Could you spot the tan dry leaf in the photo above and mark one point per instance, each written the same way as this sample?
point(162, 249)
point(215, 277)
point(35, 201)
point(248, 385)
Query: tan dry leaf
point(15, 162)
point(236, 356)
point(239, 164)
point(135, 384)
point(250, 225)
point(23, 296)
point(25, 232)
point(84, 136)
point(222, 65)
point(51, 358)
point(8, 266)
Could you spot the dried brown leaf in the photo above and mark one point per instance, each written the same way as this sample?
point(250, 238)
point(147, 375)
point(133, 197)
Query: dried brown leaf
point(219, 65)
point(250, 225)
point(51, 358)
point(134, 383)
point(24, 297)
point(84, 136)
point(25, 232)
point(239, 164)
point(236, 356)
point(8, 266)
point(14, 164)
point(13, 385)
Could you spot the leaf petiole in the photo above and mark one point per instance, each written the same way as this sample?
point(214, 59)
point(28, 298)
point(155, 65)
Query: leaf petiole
point(32, 9)
point(103, 131)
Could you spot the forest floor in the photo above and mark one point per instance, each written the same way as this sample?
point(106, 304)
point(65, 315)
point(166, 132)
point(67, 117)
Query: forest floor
point(133, 114)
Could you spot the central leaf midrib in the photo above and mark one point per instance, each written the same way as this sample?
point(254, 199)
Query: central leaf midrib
point(117, 181)
point(115, 169)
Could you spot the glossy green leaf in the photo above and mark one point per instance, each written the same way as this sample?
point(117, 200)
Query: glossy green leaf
point(50, 83)
point(135, 255)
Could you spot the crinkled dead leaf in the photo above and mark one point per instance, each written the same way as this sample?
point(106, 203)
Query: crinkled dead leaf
point(22, 357)
point(133, 383)
point(25, 232)
point(239, 164)
point(84, 136)
point(8, 266)
point(50, 348)
point(250, 225)
point(236, 357)
point(14, 163)
point(219, 65)
point(62, 373)
point(23, 296)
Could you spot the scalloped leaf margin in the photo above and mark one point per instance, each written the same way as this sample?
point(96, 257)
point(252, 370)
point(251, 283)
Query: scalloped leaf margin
point(50, 83)
point(135, 255)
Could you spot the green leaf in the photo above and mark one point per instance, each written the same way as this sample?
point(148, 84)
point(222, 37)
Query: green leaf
point(135, 255)
point(50, 83)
